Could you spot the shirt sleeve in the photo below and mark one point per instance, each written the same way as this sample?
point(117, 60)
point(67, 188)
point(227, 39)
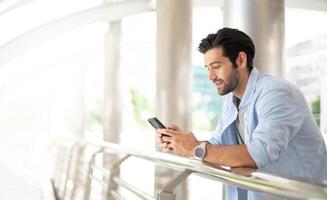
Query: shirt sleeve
point(280, 115)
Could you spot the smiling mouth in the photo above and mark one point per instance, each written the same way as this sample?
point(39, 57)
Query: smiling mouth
point(218, 83)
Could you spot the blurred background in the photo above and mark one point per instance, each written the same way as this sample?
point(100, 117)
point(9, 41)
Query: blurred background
point(90, 69)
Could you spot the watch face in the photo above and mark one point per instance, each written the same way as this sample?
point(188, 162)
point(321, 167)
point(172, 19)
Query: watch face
point(199, 152)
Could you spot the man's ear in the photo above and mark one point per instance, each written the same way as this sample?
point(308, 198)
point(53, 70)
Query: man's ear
point(241, 60)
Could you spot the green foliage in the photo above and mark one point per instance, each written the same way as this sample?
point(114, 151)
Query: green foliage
point(94, 116)
point(141, 107)
point(315, 107)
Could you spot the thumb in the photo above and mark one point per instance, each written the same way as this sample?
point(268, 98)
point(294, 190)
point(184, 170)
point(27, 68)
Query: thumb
point(174, 127)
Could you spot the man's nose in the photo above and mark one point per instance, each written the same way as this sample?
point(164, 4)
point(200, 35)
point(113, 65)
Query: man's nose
point(212, 74)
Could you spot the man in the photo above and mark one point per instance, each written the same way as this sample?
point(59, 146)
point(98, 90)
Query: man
point(265, 122)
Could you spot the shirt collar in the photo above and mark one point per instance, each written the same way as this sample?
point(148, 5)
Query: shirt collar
point(230, 114)
point(250, 88)
point(247, 97)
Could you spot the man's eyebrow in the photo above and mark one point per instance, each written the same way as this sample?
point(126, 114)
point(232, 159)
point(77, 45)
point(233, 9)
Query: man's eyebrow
point(214, 62)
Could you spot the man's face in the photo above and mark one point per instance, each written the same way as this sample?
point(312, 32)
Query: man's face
point(221, 71)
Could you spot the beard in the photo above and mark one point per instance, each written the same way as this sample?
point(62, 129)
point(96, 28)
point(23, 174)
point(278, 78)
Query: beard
point(229, 84)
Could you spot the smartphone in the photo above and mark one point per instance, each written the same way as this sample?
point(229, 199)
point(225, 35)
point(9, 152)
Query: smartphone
point(156, 124)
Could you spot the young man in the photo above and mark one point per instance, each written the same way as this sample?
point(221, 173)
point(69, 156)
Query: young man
point(265, 122)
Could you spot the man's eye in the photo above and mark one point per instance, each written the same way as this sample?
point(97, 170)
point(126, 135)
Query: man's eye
point(213, 67)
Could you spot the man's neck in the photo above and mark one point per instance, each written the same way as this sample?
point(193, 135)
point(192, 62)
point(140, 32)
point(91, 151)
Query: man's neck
point(241, 86)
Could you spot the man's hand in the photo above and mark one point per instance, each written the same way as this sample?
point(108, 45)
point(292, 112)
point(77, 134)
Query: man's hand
point(176, 141)
point(183, 143)
point(164, 145)
point(174, 127)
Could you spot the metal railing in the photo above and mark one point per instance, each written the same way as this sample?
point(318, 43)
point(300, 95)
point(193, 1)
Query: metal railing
point(81, 173)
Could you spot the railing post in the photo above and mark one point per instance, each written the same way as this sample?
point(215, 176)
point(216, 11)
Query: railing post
point(114, 171)
point(58, 169)
point(223, 194)
point(167, 190)
point(78, 162)
point(87, 190)
point(69, 167)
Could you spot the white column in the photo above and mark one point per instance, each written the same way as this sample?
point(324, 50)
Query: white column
point(264, 22)
point(112, 108)
point(174, 69)
point(323, 100)
point(112, 98)
point(80, 103)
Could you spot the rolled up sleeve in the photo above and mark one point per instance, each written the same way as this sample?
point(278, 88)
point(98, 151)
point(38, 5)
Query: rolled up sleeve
point(279, 119)
point(258, 153)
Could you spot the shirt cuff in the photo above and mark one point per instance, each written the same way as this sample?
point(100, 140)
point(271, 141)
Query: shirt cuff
point(258, 153)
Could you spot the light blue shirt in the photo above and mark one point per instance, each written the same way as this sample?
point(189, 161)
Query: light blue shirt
point(280, 132)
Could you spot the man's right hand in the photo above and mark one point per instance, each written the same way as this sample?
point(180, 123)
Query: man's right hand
point(164, 144)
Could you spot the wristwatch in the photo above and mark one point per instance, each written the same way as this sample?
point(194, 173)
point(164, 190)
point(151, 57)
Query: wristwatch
point(200, 151)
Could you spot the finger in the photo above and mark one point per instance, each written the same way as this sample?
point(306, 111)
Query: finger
point(168, 150)
point(170, 146)
point(167, 138)
point(166, 132)
point(173, 127)
point(159, 139)
point(159, 135)
point(163, 145)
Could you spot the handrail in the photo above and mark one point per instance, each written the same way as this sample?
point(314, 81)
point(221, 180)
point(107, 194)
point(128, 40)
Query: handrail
point(132, 189)
point(246, 178)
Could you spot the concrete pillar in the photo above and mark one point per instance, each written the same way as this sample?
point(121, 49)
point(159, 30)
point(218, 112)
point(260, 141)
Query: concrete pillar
point(112, 108)
point(80, 112)
point(174, 69)
point(323, 101)
point(264, 22)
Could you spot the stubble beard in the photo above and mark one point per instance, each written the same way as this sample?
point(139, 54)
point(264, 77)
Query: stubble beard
point(230, 85)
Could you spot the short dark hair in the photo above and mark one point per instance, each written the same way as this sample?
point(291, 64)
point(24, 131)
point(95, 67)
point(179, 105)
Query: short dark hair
point(232, 42)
